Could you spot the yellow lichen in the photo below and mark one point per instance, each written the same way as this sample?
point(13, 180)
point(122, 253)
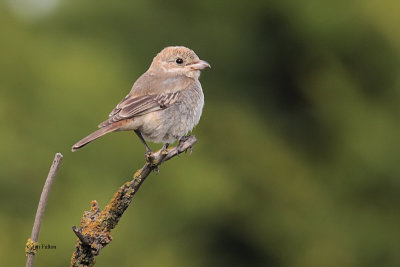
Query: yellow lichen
point(31, 247)
point(137, 174)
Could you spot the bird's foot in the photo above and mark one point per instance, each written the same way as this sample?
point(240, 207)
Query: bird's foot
point(151, 160)
point(164, 149)
point(184, 139)
point(148, 153)
point(154, 159)
point(149, 156)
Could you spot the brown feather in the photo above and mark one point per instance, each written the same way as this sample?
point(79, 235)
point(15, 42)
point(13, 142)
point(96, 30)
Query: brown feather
point(93, 136)
point(133, 107)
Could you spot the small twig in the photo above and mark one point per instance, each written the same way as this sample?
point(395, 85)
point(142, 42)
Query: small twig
point(79, 234)
point(96, 224)
point(30, 245)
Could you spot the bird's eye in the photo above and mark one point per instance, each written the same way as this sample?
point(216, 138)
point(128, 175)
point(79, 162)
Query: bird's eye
point(179, 61)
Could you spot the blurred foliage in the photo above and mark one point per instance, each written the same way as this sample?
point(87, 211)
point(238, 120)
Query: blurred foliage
point(297, 159)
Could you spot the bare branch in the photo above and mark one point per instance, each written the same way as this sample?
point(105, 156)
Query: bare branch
point(30, 245)
point(96, 224)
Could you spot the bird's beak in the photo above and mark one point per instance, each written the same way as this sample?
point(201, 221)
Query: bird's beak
point(200, 65)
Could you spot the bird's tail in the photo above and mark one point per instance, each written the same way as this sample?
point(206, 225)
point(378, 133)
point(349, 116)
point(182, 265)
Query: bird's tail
point(93, 136)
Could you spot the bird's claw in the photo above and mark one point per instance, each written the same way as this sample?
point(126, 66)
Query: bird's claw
point(164, 149)
point(184, 139)
point(190, 151)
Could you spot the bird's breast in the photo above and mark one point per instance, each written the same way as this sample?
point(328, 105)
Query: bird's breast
point(170, 124)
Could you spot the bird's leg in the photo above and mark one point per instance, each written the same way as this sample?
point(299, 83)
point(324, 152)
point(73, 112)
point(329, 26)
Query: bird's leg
point(139, 134)
point(149, 154)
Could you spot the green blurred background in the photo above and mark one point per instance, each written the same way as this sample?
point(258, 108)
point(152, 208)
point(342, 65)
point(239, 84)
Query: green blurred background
point(297, 160)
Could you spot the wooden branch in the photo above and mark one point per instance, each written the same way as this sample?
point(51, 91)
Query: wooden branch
point(31, 248)
point(96, 224)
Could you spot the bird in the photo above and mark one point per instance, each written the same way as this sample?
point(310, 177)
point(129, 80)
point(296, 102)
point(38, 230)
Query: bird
point(164, 104)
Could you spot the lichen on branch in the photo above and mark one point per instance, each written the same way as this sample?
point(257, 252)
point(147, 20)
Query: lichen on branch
point(96, 225)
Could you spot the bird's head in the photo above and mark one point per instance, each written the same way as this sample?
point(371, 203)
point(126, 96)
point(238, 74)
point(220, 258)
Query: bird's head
point(178, 60)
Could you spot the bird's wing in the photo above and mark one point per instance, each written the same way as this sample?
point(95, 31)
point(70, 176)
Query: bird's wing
point(131, 106)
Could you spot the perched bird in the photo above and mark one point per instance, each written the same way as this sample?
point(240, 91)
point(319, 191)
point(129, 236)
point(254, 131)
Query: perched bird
point(164, 104)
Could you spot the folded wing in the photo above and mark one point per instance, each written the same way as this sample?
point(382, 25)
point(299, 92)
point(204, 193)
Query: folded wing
point(131, 107)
